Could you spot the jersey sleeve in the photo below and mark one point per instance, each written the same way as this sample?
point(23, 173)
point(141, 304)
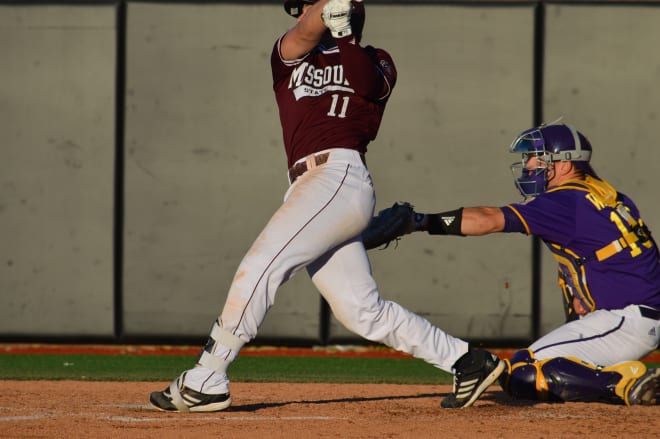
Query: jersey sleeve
point(513, 222)
point(551, 216)
point(281, 68)
point(370, 71)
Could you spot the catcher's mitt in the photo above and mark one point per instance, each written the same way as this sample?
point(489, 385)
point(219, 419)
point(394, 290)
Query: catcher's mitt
point(389, 225)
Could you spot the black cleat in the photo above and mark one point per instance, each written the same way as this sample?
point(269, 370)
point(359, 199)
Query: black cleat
point(645, 389)
point(474, 373)
point(179, 398)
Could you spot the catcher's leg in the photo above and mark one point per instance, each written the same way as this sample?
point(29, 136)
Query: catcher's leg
point(570, 379)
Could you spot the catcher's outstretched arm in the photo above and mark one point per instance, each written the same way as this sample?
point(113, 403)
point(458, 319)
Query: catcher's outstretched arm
point(478, 221)
point(401, 219)
point(464, 221)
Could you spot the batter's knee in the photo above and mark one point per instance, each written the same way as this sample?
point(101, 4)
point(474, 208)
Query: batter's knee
point(365, 320)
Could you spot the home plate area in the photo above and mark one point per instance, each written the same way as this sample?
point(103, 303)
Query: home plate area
point(82, 409)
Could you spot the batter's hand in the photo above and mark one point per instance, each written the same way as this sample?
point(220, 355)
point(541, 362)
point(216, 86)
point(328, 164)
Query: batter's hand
point(337, 17)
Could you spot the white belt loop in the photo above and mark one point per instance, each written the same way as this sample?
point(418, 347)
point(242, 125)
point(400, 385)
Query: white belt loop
point(307, 163)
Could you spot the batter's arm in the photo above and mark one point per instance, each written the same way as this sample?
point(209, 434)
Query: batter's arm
point(363, 70)
point(306, 34)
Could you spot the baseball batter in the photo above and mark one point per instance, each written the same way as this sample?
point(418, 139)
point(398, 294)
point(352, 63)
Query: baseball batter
point(331, 93)
point(609, 272)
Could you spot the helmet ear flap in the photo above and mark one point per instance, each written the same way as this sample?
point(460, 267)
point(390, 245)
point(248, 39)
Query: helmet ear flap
point(295, 7)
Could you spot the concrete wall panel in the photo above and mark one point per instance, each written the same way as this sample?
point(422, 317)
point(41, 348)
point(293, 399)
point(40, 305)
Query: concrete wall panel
point(57, 169)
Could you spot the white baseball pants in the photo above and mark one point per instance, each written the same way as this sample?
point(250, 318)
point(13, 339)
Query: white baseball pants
point(603, 337)
point(318, 227)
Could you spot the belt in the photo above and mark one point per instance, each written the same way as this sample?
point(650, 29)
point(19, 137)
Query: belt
point(649, 313)
point(311, 162)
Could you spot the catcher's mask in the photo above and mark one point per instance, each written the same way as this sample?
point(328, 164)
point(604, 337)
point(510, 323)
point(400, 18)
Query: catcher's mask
point(295, 8)
point(548, 143)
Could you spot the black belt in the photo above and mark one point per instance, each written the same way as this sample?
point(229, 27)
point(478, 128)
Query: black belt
point(649, 313)
point(300, 168)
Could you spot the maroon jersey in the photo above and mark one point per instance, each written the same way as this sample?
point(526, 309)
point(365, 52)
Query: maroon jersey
point(331, 98)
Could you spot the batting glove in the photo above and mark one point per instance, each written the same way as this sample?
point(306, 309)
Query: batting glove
point(337, 17)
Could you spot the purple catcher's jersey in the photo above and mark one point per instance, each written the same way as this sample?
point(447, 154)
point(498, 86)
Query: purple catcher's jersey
point(319, 105)
point(607, 257)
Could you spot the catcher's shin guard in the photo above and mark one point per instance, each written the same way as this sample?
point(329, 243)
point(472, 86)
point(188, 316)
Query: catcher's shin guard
point(569, 379)
point(520, 376)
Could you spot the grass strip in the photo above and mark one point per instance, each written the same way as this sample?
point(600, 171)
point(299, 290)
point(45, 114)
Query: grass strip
point(244, 369)
point(291, 369)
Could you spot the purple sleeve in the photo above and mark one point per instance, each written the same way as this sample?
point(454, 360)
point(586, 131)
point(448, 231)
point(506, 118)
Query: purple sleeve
point(512, 221)
point(551, 216)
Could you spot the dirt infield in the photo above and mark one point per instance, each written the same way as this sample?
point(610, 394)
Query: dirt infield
point(76, 409)
point(84, 409)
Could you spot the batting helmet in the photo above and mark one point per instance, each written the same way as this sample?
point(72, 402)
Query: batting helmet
point(548, 143)
point(295, 7)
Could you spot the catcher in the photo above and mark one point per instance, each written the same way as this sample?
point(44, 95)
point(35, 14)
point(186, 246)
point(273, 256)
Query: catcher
point(609, 271)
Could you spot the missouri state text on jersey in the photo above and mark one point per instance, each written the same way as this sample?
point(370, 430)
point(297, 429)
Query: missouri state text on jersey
point(308, 80)
point(325, 101)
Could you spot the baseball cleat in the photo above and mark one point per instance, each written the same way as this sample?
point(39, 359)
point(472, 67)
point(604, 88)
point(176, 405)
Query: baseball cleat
point(645, 389)
point(179, 398)
point(474, 373)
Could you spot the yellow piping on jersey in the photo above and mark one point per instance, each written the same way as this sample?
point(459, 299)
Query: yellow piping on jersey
point(522, 220)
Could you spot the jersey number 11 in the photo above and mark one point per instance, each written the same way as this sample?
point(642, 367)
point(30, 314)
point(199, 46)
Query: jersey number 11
point(333, 106)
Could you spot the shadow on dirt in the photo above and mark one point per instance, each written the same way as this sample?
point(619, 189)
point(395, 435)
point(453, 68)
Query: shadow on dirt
point(256, 407)
point(501, 398)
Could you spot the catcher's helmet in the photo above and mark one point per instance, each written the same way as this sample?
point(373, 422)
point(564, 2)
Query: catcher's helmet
point(295, 7)
point(548, 143)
